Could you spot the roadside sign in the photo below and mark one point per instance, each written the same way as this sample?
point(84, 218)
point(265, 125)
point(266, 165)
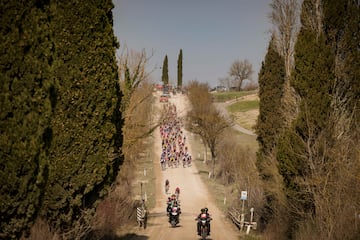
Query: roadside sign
point(243, 195)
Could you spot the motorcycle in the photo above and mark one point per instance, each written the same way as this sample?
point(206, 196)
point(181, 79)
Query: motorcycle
point(174, 216)
point(204, 225)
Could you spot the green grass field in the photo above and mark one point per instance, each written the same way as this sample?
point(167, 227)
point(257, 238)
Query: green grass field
point(226, 96)
point(243, 106)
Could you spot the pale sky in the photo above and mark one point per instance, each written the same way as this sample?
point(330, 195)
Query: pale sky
point(211, 33)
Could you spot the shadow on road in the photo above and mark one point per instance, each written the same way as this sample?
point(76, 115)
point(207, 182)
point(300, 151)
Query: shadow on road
point(110, 235)
point(177, 226)
point(157, 214)
point(131, 236)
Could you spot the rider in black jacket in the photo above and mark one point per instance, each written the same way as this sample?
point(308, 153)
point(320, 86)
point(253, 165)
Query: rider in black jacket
point(208, 218)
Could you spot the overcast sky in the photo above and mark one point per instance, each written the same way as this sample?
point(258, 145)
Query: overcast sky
point(211, 33)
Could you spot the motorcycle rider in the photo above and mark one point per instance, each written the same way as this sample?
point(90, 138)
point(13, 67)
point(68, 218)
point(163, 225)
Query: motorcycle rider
point(208, 219)
point(172, 202)
point(168, 206)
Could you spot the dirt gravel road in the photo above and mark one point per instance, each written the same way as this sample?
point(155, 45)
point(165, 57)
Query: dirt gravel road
point(222, 108)
point(193, 196)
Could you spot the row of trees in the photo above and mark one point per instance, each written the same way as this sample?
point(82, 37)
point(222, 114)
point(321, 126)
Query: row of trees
point(60, 118)
point(308, 126)
point(165, 71)
point(240, 71)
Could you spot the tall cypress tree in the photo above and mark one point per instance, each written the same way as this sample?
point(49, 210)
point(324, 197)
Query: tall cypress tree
point(85, 126)
point(342, 29)
point(271, 90)
point(180, 70)
point(269, 125)
point(165, 72)
point(312, 81)
point(60, 122)
point(25, 112)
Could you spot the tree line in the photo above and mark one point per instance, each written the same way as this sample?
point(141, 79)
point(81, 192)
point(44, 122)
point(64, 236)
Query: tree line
point(308, 126)
point(165, 71)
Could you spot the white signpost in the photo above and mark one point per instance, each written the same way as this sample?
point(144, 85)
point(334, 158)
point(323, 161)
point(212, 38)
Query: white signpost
point(242, 217)
point(243, 195)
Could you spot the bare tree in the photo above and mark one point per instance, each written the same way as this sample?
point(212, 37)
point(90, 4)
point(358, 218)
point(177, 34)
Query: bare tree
point(136, 101)
point(313, 16)
point(333, 167)
point(203, 119)
point(285, 17)
point(240, 71)
point(132, 72)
